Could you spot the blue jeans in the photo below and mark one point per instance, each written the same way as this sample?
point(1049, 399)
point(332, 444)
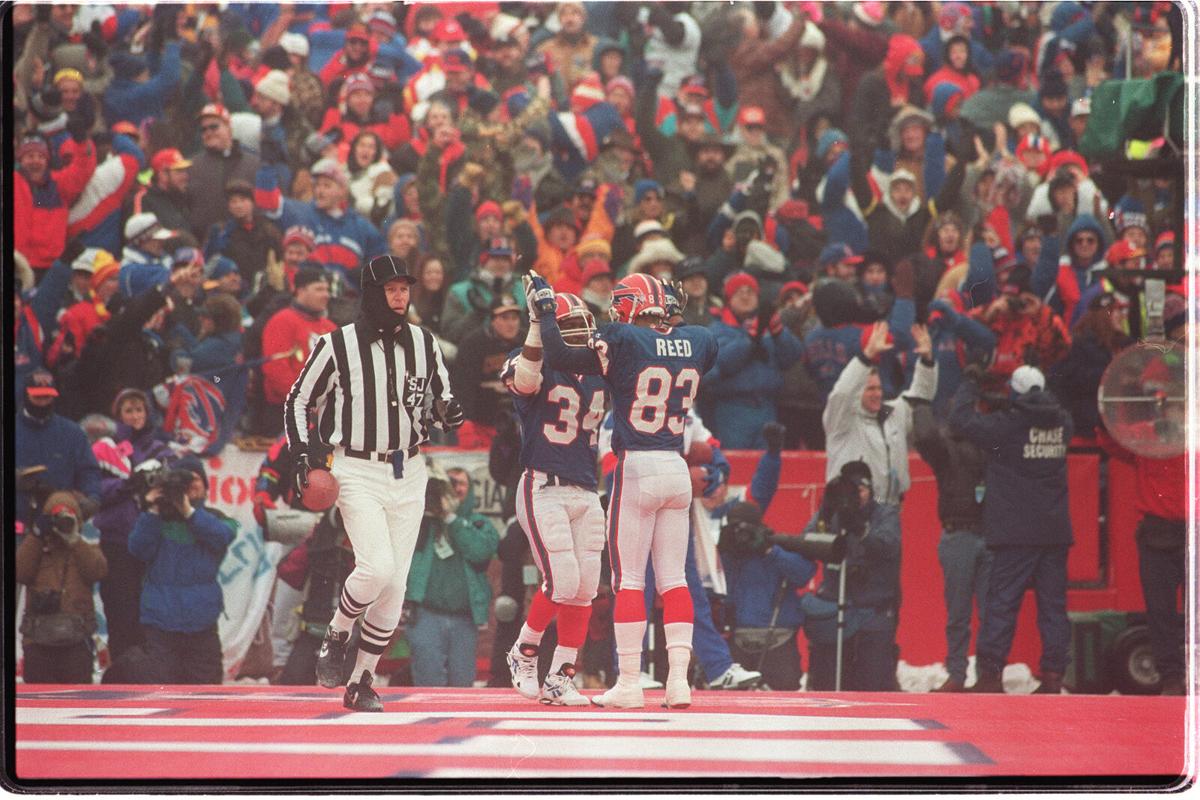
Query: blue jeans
point(712, 651)
point(1014, 569)
point(443, 648)
point(966, 562)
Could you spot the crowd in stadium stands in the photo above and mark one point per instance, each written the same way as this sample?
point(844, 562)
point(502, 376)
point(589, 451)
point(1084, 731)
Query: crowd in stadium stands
point(887, 213)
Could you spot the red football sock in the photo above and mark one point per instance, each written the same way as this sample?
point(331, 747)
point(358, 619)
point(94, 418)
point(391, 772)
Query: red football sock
point(630, 606)
point(573, 625)
point(677, 605)
point(541, 611)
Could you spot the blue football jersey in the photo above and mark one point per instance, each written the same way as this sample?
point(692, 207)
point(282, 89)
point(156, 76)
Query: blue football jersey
point(560, 424)
point(653, 376)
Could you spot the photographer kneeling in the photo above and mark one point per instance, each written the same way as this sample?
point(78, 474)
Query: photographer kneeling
point(183, 544)
point(871, 534)
point(61, 570)
point(763, 574)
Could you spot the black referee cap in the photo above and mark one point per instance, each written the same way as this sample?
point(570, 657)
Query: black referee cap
point(382, 269)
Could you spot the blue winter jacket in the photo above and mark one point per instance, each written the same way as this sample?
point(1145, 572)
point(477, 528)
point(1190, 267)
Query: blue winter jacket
point(1025, 447)
point(934, 47)
point(126, 99)
point(841, 223)
point(181, 592)
point(747, 369)
point(62, 447)
point(1045, 274)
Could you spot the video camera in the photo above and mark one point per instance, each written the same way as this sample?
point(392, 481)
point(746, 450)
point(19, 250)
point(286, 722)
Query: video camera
point(174, 484)
point(745, 535)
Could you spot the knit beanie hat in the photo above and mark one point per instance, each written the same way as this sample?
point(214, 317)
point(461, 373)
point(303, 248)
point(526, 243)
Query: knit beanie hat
point(736, 281)
point(275, 86)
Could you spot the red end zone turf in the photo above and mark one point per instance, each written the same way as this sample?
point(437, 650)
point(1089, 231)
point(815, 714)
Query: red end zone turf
point(295, 733)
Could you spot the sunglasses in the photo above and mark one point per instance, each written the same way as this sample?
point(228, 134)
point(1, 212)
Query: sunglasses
point(1087, 239)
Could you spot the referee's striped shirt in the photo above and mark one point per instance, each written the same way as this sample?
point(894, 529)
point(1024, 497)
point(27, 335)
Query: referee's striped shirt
point(368, 396)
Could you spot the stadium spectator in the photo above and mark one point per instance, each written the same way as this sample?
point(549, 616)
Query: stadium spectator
point(286, 341)
point(469, 302)
point(474, 377)
point(220, 159)
point(246, 237)
point(166, 196)
point(43, 439)
point(966, 562)
point(137, 443)
point(754, 352)
point(42, 196)
point(859, 426)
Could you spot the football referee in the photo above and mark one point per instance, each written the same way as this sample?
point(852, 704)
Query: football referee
point(371, 390)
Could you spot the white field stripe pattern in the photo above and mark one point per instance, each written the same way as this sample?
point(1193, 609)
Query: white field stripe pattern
point(594, 721)
point(671, 748)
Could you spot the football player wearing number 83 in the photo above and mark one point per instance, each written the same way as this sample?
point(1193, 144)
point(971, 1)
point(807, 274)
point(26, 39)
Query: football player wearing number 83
point(557, 504)
point(653, 373)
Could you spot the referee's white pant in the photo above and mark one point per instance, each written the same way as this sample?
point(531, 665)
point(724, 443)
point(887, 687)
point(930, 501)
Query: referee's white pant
point(382, 515)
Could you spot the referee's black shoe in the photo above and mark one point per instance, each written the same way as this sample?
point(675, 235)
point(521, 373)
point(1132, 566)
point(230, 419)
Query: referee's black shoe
point(331, 658)
point(360, 696)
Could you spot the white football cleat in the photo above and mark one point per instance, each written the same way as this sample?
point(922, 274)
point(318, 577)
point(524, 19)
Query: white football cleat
point(621, 696)
point(523, 670)
point(679, 694)
point(559, 690)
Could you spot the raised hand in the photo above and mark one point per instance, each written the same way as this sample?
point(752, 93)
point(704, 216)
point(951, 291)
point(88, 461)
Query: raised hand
point(877, 342)
point(920, 334)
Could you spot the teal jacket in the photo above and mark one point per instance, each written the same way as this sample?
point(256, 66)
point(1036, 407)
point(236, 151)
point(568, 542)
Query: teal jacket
point(474, 540)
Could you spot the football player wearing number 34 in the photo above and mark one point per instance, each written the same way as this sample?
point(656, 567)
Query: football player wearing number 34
point(653, 373)
point(557, 504)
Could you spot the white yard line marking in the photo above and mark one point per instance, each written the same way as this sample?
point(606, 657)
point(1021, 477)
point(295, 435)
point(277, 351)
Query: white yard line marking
point(547, 720)
point(840, 751)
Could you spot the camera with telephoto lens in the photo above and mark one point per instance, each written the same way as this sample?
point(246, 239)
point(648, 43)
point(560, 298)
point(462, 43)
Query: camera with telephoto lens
point(744, 535)
point(174, 484)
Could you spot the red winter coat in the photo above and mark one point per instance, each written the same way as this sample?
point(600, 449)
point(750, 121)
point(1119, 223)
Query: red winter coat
point(289, 329)
point(40, 212)
point(1042, 330)
point(394, 132)
point(73, 328)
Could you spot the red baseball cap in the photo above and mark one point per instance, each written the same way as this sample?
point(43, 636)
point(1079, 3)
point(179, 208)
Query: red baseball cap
point(752, 115)
point(694, 85)
point(448, 30)
point(214, 110)
point(358, 31)
point(170, 158)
